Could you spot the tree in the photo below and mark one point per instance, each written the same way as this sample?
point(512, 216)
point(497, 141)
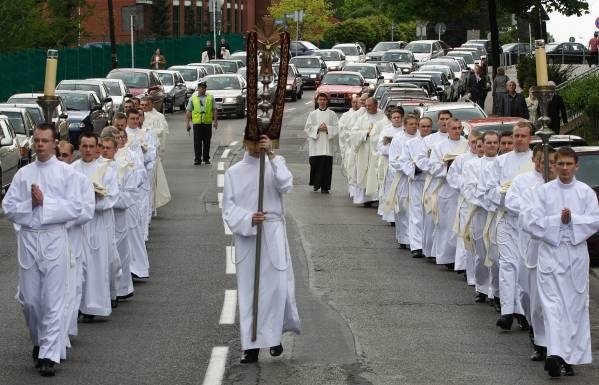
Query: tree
point(160, 18)
point(316, 18)
point(352, 30)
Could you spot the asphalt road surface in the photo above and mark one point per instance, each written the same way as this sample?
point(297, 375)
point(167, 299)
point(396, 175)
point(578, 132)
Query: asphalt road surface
point(370, 313)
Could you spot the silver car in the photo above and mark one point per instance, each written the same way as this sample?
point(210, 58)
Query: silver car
point(175, 89)
point(191, 75)
point(229, 91)
point(59, 117)
point(118, 91)
point(9, 154)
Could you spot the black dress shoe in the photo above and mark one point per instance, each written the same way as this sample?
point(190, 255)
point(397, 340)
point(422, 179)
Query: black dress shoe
point(315, 188)
point(480, 298)
point(450, 266)
point(522, 322)
point(197, 162)
point(431, 259)
point(392, 224)
point(403, 246)
point(325, 191)
point(122, 297)
point(114, 303)
point(538, 355)
point(553, 365)
point(497, 305)
point(417, 254)
point(505, 322)
point(367, 204)
point(207, 162)
point(250, 356)
point(569, 370)
point(88, 317)
point(47, 367)
point(35, 354)
point(276, 351)
point(461, 271)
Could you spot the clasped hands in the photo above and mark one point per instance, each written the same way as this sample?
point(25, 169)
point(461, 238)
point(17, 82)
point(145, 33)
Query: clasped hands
point(566, 216)
point(37, 196)
point(258, 217)
point(322, 128)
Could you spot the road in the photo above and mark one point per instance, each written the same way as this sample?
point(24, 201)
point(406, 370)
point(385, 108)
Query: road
point(370, 313)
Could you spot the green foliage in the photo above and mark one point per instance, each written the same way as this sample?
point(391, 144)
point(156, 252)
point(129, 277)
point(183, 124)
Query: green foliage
point(527, 73)
point(316, 19)
point(352, 30)
point(160, 18)
point(581, 96)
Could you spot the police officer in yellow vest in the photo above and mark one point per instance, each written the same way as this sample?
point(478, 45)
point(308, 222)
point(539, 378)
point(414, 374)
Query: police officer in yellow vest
point(202, 112)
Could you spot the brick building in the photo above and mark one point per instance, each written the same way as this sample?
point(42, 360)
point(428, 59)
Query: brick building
point(187, 17)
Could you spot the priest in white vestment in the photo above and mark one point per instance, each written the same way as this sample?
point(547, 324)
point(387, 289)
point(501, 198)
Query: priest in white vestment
point(498, 180)
point(396, 116)
point(156, 123)
point(101, 266)
point(344, 127)
point(414, 154)
point(442, 155)
point(350, 152)
point(361, 143)
point(564, 215)
point(277, 309)
point(42, 199)
point(321, 129)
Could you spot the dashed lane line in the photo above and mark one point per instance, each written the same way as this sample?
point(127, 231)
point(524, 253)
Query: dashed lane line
point(225, 153)
point(220, 180)
point(234, 143)
point(227, 314)
point(227, 229)
point(230, 265)
point(220, 200)
point(307, 103)
point(221, 166)
point(216, 366)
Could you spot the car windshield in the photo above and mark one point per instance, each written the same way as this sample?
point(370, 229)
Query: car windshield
point(79, 87)
point(131, 79)
point(166, 79)
point(385, 46)
point(348, 50)
point(328, 55)
point(419, 47)
point(209, 69)
point(341, 79)
point(588, 169)
point(367, 72)
point(76, 102)
point(16, 119)
point(189, 74)
point(228, 66)
point(435, 75)
point(397, 57)
point(497, 127)
point(468, 59)
point(114, 89)
point(223, 83)
point(459, 113)
point(305, 62)
point(385, 67)
point(455, 67)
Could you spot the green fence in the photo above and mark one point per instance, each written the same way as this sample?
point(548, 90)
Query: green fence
point(24, 71)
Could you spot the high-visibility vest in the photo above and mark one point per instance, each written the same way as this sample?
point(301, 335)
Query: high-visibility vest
point(199, 116)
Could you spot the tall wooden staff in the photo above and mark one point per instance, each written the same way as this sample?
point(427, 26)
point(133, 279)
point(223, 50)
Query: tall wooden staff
point(265, 41)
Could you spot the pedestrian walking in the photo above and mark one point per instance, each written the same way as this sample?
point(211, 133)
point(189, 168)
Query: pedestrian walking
point(322, 129)
point(278, 310)
point(476, 87)
point(556, 111)
point(593, 47)
point(499, 88)
point(513, 103)
point(43, 198)
point(203, 114)
point(158, 61)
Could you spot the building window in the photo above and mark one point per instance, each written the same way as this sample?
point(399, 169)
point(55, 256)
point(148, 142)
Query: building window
point(228, 10)
point(189, 19)
point(199, 16)
point(176, 20)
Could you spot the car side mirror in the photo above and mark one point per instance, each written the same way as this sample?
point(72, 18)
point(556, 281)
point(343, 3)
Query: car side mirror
point(6, 142)
point(381, 77)
point(108, 100)
point(366, 84)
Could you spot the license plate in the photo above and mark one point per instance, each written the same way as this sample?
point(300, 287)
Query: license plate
point(338, 101)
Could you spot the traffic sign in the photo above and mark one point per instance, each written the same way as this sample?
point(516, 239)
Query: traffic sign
point(440, 28)
point(421, 28)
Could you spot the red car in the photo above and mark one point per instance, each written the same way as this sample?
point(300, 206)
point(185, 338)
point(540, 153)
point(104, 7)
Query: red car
point(142, 82)
point(340, 87)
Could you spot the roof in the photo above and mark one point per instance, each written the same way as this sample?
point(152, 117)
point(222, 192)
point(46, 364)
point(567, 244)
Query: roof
point(80, 81)
point(145, 70)
point(397, 50)
point(450, 106)
point(9, 107)
point(344, 73)
point(585, 149)
point(87, 92)
point(166, 71)
point(345, 45)
point(362, 64)
point(494, 120)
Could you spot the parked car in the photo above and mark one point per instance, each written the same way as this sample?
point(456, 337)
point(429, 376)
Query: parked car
point(312, 69)
point(566, 53)
point(445, 93)
point(560, 141)
point(174, 88)
point(486, 43)
point(369, 71)
point(340, 87)
point(295, 85)
point(423, 81)
point(403, 58)
point(460, 71)
point(96, 86)
point(302, 48)
point(513, 51)
point(472, 51)
point(241, 56)
point(409, 105)
point(498, 124)
point(588, 160)
point(230, 66)
point(388, 70)
point(9, 154)
point(334, 58)
point(229, 92)
point(142, 82)
point(85, 113)
point(36, 112)
point(455, 84)
point(404, 93)
point(191, 76)
point(460, 110)
point(480, 49)
point(23, 126)
point(59, 117)
point(381, 47)
point(466, 56)
point(425, 50)
point(211, 68)
point(354, 52)
point(382, 88)
point(118, 92)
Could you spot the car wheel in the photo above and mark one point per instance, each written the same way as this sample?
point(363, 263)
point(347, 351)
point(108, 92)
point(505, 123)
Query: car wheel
point(162, 107)
point(171, 106)
point(294, 96)
point(241, 113)
point(301, 93)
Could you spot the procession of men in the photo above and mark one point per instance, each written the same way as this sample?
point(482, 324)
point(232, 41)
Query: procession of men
point(82, 220)
point(482, 206)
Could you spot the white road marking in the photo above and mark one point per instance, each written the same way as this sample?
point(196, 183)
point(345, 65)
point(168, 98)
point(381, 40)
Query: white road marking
point(227, 229)
point(227, 314)
point(216, 366)
point(307, 103)
point(220, 200)
point(233, 144)
point(230, 254)
point(221, 166)
point(291, 109)
point(220, 180)
point(225, 153)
